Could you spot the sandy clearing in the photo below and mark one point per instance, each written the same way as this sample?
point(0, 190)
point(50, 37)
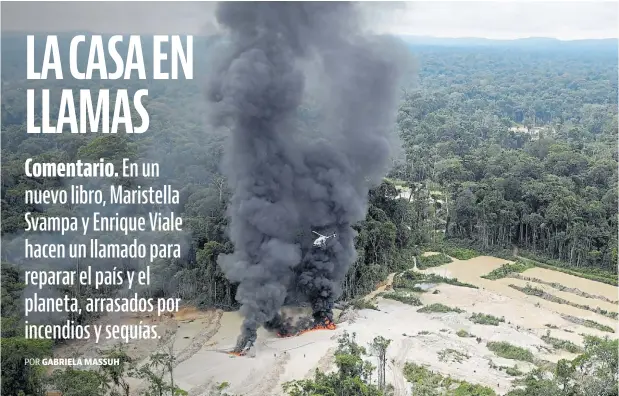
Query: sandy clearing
point(591, 302)
point(199, 336)
point(520, 313)
point(566, 289)
point(471, 269)
point(531, 317)
point(524, 323)
point(563, 335)
point(280, 360)
point(202, 332)
point(277, 360)
point(424, 348)
point(586, 285)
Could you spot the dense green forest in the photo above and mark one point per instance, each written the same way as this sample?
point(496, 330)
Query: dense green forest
point(503, 150)
point(550, 187)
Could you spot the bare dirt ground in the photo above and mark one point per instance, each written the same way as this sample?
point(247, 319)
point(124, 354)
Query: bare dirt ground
point(198, 338)
point(471, 271)
point(595, 288)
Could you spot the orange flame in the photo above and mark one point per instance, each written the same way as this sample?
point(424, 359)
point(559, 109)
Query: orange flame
point(236, 353)
point(328, 325)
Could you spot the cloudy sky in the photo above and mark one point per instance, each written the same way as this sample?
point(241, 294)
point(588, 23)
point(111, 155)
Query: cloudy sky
point(565, 20)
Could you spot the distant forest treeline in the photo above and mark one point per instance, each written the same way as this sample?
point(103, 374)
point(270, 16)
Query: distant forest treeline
point(551, 190)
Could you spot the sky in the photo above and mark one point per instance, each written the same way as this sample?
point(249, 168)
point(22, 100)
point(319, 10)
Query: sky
point(566, 20)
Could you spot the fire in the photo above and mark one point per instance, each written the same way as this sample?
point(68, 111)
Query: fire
point(239, 354)
point(327, 325)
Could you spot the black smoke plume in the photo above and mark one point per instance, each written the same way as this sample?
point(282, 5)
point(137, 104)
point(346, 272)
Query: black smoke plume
point(286, 183)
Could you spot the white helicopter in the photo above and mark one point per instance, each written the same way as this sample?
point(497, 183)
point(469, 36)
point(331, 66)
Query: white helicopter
point(321, 241)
